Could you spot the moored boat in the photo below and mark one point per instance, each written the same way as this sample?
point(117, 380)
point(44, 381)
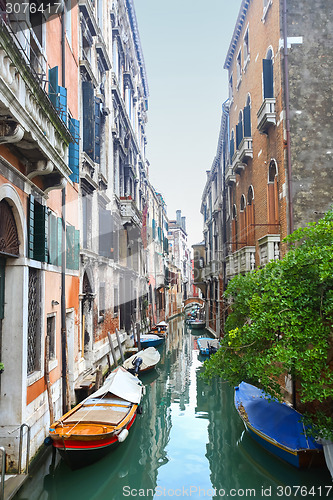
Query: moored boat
point(197, 324)
point(161, 329)
point(100, 422)
point(277, 427)
point(207, 345)
point(150, 357)
point(150, 340)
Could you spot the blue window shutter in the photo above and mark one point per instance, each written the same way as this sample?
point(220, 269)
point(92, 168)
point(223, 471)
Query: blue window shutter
point(63, 103)
point(88, 117)
point(74, 150)
point(159, 233)
point(31, 225)
point(53, 87)
point(97, 131)
point(267, 65)
point(247, 121)
point(153, 228)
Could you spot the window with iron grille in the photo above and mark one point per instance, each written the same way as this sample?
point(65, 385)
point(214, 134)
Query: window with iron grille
point(34, 333)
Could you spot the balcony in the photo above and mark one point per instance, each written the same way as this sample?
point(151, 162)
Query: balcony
point(269, 248)
point(87, 9)
point(266, 115)
point(129, 211)
point(240, 262)
point(230, 177)
point(245, 149)
point(237, 165)
point(27, 115)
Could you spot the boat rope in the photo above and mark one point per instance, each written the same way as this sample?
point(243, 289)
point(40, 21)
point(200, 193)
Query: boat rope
point(88, 411)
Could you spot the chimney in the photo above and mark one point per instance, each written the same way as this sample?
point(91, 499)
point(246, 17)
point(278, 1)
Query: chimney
point(179, 217)
point(184, 223)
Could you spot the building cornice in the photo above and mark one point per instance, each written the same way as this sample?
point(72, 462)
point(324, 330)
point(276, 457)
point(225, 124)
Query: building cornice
point(237, 31)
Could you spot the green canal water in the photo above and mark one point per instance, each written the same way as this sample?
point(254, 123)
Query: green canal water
point(188, 443)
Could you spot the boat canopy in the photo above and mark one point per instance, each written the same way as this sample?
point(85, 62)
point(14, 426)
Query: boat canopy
point(123, 384)
point(272, 418)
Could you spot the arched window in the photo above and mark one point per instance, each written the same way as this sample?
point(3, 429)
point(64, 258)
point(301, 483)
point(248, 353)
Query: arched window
point(234, 236)
point(272, 197)
point(268, 80)
point(242, 221)
point(239, 130)
point(250, 217)
point(247, 117)
point(9, 242)
point(232, 144)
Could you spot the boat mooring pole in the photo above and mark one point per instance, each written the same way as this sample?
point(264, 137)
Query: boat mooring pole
point(119, 346)
point(138, 336)
point(112, 349)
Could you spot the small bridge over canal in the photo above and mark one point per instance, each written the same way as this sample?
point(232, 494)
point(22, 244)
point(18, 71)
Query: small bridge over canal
point(193, 300)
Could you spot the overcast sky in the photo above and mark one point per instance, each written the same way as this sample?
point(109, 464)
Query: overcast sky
point(184, 44)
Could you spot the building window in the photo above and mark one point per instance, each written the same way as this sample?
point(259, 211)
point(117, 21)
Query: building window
point(250, 216)
point(101, 301)
point(51, 334)
point(266, 5)
point(239, 67)
point(231, 90)
point(268, 86)
point(239, 130)
point(246, 48)
point(273, 206)
point(68, 21)
point(34, 315)
point(247, 118)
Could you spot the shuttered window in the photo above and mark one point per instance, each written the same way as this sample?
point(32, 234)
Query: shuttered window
point(153, 228)
point(63, 104)
point(53, 87)
point(268, 78)
point(105, 232)
point(73, 150)
point(247, 121)
point(88, 115)
point(232, 145)
point(72, 247)
point(38, 230)
point(97, 156)
point(54, 239)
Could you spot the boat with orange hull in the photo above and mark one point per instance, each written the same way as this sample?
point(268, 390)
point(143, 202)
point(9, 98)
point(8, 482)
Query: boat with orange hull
point(102, 421)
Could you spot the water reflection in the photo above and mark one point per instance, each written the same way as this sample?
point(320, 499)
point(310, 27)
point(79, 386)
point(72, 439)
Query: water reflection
point(189, 436)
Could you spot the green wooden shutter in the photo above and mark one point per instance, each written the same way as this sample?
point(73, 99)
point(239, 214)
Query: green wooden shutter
point(53, 237)
point(2, 288)
point(59, 241)
point(247, 121)
point(267, 65)
point(53, 87)
point(31, 225)
point(88, 116)
point(40, 233)
point(76, 249)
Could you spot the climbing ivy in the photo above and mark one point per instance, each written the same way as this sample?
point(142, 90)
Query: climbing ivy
point(281, 324)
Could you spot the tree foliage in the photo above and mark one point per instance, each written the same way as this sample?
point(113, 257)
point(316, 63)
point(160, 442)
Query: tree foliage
point(281, 322)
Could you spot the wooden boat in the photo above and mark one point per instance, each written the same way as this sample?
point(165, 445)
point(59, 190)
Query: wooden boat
point(207, 345)
point(161, 329)
point(91, 429)
point(150, 340)
point(277, 427)
point(197, 324)
point(150, 357)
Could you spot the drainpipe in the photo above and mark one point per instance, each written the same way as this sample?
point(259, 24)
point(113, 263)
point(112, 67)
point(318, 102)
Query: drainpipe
point(286, 86)
point(63, 248)
point(290, 194)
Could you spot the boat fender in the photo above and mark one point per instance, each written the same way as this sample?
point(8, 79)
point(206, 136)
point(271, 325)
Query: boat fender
point(123, 435)
point(139, 410)
point(47, 441)
point(144, 390)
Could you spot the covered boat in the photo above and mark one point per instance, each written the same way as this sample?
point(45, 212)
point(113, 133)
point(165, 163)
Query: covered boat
point(150, 357)
point(161, 329)
point(277, 427)
point(197, 324)
point(150, 340)
point(88, 431)
point(207, 345)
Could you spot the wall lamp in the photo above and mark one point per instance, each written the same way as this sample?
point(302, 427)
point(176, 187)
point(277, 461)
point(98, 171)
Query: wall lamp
point(54, 303)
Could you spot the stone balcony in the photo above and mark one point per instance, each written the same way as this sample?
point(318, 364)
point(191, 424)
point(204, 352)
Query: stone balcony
point(129, 212)
point(230, 177)
point(28, 119)
point(245, 149)
point(266, 114)
point(237, 165)
point(240, 262)
point(269, 248)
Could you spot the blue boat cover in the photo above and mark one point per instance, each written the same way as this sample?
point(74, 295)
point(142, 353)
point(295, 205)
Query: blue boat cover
point(276, 420)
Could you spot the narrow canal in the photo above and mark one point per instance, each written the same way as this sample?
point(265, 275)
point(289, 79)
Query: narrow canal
point(189, 442)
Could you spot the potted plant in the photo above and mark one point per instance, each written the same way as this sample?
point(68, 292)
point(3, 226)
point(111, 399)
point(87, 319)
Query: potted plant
point(2, 367)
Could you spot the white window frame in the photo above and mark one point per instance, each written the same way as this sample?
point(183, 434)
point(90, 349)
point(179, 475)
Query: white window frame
point(239, 67)
point(246, 48)
point(266, 6)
